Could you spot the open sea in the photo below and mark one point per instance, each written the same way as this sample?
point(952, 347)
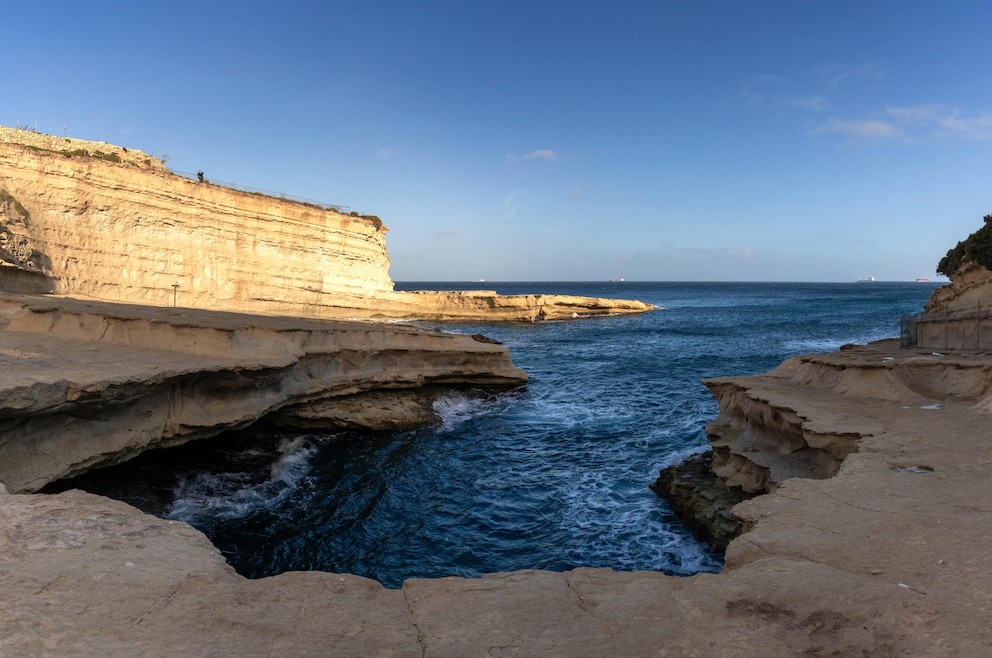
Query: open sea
point(552, 476)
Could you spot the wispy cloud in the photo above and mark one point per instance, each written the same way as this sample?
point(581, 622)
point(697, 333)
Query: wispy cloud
point(915, 123)
point(915, 115)
point(539, 154)
point(859, 129)
point(513, 202)
point(446, 234)
point(764, 91)
point(976, 127)
point(837, 75)
point(387, 152)
point(817, 103)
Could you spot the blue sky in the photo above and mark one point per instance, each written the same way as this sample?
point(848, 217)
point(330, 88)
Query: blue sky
point(692, 141)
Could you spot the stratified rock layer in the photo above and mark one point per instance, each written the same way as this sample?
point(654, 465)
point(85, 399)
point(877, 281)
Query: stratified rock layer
point(886, 557)
point(805, 417)
point(99, 221)
point(84, 384)
point(969, 288)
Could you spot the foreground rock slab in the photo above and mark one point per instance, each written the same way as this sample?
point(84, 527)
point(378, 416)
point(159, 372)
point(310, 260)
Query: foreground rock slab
point(888, 557)
point(84, 384)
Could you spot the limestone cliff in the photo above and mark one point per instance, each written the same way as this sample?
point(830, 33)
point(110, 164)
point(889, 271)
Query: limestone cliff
point(100, 221)
point(119, 232)
point(969, 286)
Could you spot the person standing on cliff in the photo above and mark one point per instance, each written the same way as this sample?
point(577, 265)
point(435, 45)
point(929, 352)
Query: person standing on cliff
point(199, 175)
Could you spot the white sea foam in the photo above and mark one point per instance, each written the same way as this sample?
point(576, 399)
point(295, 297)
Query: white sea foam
point(679, 456)
point(818, 345)
point(456, 408)
point(235, 495)
point(611, 518)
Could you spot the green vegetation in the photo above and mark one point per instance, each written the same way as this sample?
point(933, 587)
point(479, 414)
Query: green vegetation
point(110, 157)
point(977, 248)
point(83, 153)
point(374, 220)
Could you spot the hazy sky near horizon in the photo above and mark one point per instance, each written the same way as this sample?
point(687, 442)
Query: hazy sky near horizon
point(527, 140)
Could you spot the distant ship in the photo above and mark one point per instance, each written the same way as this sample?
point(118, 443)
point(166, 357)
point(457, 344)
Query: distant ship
point(923, 280)
point(868, 280)
point(616, 280)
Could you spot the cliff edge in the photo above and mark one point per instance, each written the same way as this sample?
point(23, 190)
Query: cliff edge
point(93, 220)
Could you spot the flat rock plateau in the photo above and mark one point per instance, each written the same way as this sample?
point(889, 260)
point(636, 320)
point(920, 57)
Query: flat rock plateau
point(869, 533)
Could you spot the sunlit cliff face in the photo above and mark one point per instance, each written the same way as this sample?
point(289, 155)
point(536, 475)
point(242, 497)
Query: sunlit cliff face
point(119, 232)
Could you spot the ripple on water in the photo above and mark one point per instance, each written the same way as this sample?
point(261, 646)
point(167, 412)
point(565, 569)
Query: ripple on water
point(552, 476)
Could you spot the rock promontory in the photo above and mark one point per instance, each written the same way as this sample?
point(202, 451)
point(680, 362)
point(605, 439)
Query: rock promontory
point(85, 384)
point(104, 222)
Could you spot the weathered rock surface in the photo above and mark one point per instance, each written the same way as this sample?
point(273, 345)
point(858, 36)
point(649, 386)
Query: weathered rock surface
point(886, 557)
point(969, 287)
point(806, 416)
point(99, 221)
point(84, 384)
point(873, 538)
point(702, 500)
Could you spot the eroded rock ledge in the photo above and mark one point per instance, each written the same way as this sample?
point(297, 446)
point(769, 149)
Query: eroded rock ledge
point(702, 500)
point(804, 418)
point(84, 384)
point(886, 557)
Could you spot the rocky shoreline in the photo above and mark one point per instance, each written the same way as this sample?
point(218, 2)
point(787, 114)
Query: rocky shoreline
point(884, 557)
point(88, 384)
point(867, 533)
point(702, 501)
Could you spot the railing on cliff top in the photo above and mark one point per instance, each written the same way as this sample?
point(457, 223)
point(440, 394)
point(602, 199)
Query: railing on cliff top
point(946, 331)
point(270, 193)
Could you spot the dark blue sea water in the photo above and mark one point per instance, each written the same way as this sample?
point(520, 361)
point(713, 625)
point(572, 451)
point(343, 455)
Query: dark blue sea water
point(553, 476)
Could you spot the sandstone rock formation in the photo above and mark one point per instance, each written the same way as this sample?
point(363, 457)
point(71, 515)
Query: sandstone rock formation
point(765, 435)
point(887, 557)
point(99, 221)
point(85, 383)
point(872, 538)
point(970, 285)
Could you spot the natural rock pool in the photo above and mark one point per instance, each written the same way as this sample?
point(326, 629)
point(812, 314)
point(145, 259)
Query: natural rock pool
point(554, 476)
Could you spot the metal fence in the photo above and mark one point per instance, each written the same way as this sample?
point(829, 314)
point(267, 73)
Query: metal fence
point(907, 330)
point(947, 331)
point(269, 193)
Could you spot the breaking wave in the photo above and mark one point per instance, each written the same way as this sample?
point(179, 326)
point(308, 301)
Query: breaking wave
point(232, 495)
